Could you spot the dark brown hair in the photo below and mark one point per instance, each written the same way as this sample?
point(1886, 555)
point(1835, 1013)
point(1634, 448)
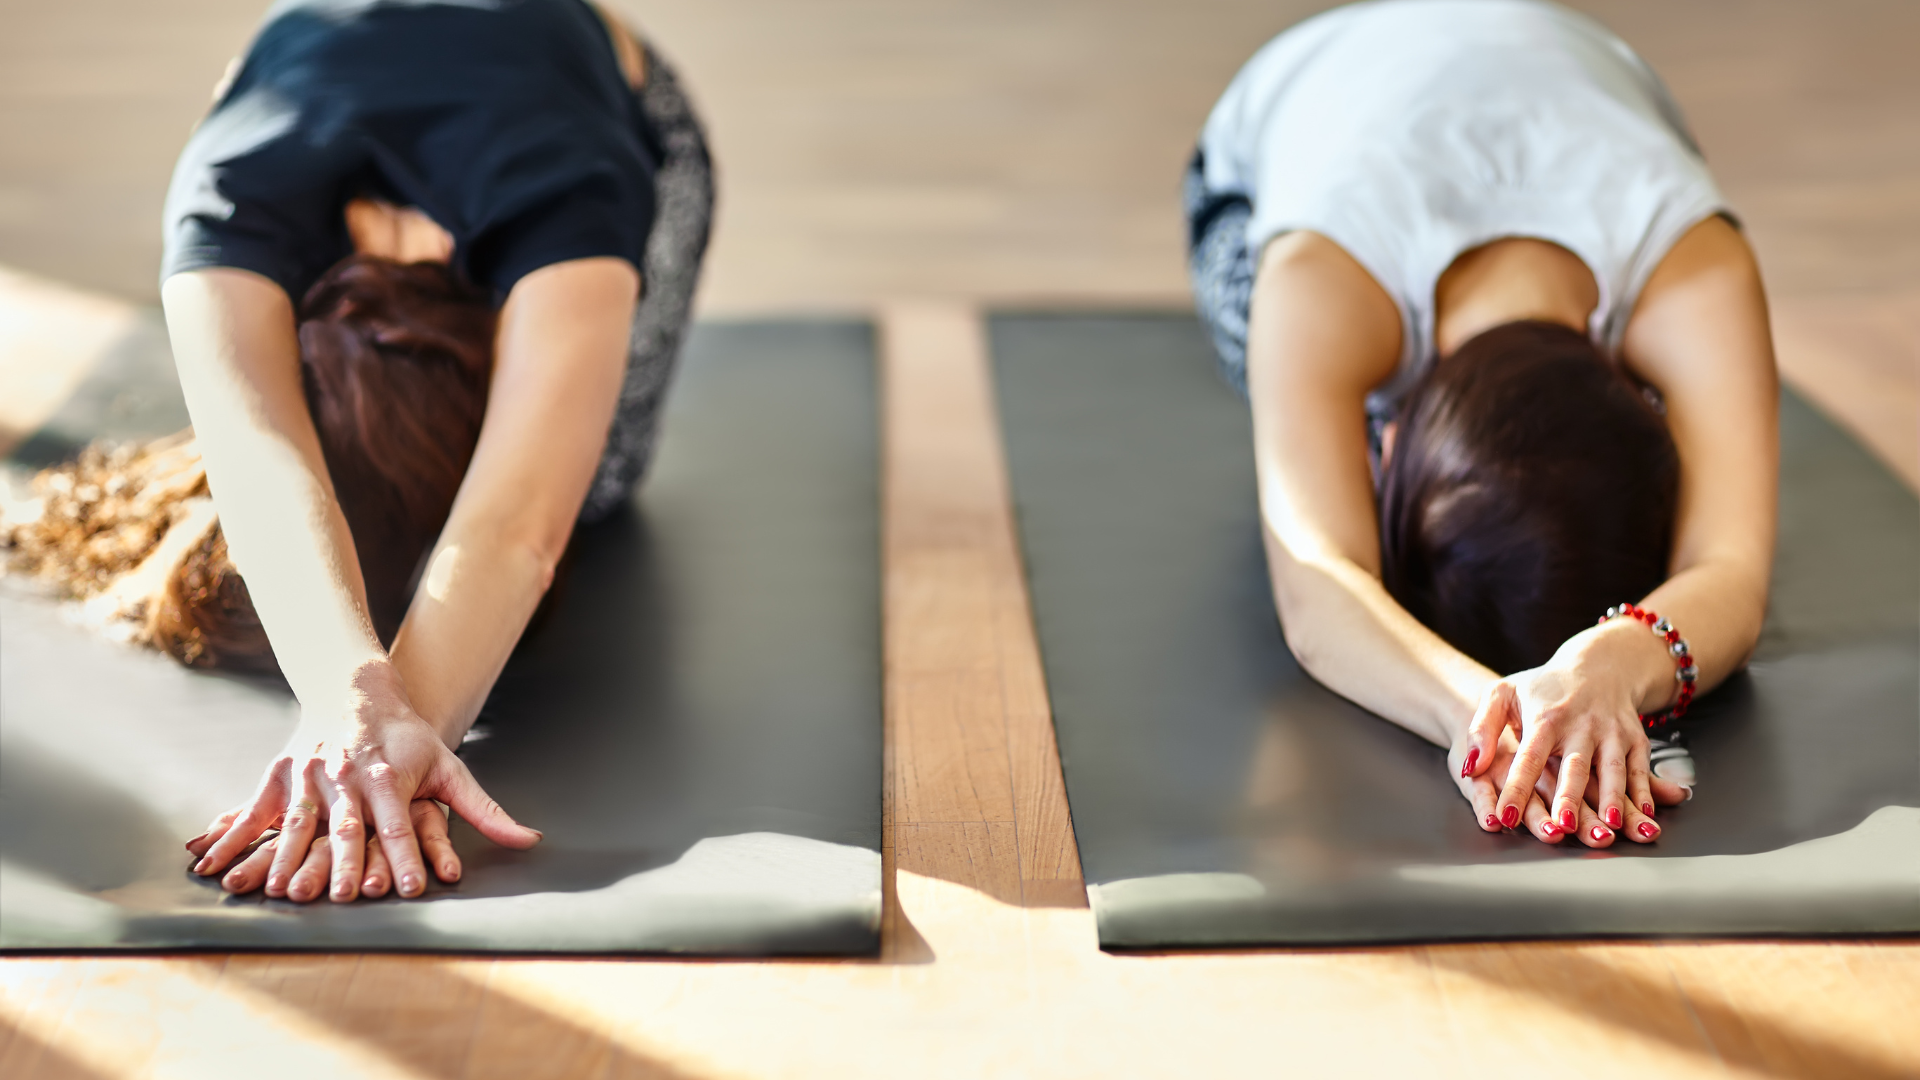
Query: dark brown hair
point(1531, 485)
point(395, 359)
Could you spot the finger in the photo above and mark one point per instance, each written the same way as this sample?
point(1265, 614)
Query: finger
point(1639, 779)
point(1498, 710)
point(310, 880)
point(1486, 802)
point(349, 839)
point(430, 825)
point(393, 824)
point(1525, 771)
point(1612, 801)
point(1541, 824)
point(200, 844)
point(1576, 761)
point(378, 875)
point(252, 870)
point(1668, 793)
point(260, 814)
point(459, 790)
point(1641, 828)
point(296, 833)
point(1594, 832)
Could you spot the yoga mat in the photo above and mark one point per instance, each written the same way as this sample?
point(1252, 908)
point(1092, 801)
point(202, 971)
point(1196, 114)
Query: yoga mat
point(1220, 796)
point(696, 728)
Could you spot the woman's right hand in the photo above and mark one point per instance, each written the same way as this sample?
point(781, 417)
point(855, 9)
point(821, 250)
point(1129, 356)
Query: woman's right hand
point(360, 770)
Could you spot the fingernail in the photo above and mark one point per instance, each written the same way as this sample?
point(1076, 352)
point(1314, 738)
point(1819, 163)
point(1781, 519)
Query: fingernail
point(1689, 792)
point(195, 840)
point(205, 863)
point(1649, 830)
point(1552, 830)
point(341, 889)
point(449, 870)
point(1567, 821)
point(1646, 808)
point(1492, 822)
point(1613, 816)
point(277, 883)
point(1473, 758)
point(1600, 834)
point(410, 883)
point(1510, 816)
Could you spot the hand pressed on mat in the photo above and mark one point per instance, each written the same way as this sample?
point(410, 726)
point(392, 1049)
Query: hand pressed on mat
point(376, 767)
point(310, 879)
point(1578, 723)
point(1485, 789)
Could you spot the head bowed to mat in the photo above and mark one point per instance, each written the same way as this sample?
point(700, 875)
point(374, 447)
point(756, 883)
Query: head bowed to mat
point(696, 728)
point(1221, 796)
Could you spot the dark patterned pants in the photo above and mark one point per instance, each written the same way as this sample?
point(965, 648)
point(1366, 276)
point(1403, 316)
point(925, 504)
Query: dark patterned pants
point(683, 214)
point(1221, 269)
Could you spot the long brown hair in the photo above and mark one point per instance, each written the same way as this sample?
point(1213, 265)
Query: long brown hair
point(1531, 486)
point(395, 359)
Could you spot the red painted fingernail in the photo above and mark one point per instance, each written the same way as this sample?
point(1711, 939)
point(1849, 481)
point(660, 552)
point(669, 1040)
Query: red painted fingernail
point(1510, 816)
point(1492, 822)
point(1566, 819)
point(1473, 758)
point(1646, 808)
point(1613, 816)
point(1551, 830)
point(1649, 830)
point(1600, 834)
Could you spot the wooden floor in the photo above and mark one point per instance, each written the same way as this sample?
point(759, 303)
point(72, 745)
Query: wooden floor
point(975, 152)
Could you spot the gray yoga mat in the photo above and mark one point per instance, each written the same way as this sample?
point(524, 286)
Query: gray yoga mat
point(696, 728)
point(1220, 796)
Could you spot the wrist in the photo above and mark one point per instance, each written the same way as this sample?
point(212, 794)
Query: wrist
point(1626, 651)
point(362, 693)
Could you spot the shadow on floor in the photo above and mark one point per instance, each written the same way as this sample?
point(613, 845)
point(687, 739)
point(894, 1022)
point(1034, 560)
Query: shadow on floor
point(1569, 977)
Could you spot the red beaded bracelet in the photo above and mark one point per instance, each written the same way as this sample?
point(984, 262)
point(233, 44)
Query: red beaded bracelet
point(1686, 671)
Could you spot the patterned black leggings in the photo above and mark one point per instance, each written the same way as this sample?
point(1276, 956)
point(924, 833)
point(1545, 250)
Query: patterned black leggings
point(683, 214)
point(1221, 269)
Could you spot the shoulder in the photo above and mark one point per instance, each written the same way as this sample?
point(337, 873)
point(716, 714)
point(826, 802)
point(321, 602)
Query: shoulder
point(1318, 315)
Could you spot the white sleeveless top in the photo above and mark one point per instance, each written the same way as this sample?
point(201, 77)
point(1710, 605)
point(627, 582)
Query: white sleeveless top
point(1411, 131)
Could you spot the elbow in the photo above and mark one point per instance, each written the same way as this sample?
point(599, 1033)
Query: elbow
point(541, 559)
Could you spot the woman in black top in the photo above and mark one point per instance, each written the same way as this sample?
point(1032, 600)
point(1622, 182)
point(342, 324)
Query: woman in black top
point(428, 266)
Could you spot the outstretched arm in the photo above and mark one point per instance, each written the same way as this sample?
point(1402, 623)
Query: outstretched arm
point(1700, 336)
point(560, 356)
point(1321, 333)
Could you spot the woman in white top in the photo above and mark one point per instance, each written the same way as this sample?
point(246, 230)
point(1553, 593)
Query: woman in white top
point(1513, 392)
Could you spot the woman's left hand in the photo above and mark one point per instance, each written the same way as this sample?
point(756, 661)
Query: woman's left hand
point(1579, 708)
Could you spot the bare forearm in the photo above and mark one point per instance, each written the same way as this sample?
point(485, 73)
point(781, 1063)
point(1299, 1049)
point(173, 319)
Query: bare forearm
point(1717, 607)
point(1348, 633)
point(561, 357)
point(474, 602)
point(239, 369)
